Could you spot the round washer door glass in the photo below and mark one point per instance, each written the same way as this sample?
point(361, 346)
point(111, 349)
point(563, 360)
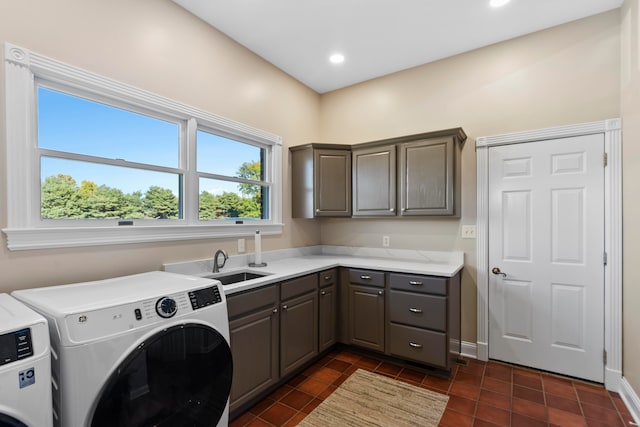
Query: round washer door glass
point(7, 421)
point(178, 377)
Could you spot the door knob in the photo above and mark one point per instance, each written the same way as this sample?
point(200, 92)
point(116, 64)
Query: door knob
point(496, 270)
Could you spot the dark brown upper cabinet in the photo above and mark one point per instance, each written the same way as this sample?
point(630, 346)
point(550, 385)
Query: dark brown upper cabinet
point(374, 181)
point(321, 181)
point(414, 175)
point(429, 176)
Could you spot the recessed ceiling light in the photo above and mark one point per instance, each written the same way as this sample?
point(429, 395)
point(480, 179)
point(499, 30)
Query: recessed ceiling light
point(336, 58)
point(498, 3)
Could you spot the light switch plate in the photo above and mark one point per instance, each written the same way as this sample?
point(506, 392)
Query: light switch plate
point(468, 232)
point(241, 246)
point(385, 241)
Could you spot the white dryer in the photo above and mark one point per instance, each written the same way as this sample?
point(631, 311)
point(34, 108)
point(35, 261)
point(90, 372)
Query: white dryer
point(25, 366)
point(145, 350)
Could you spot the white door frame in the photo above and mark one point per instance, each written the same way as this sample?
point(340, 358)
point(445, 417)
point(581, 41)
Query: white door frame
point(612, 130)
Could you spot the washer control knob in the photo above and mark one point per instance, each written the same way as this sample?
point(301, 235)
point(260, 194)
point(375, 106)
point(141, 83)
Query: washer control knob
point(166, 307)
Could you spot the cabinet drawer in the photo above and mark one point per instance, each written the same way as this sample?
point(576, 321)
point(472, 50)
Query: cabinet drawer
point(328, 277)
point(418, 344)
point(299, 286)
point(418, 283)
point(239, 304)
point(366, 277)
point(423, 311)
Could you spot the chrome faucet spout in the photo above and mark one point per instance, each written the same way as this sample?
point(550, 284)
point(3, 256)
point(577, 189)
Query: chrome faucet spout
point(225, 257)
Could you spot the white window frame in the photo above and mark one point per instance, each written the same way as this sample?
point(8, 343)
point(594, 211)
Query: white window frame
point(25, 230)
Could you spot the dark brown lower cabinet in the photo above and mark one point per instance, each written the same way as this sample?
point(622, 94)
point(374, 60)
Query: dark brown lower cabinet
point(253, 330)
point(424, 318)
point(277, 329)
point(366, 317)
point(327, 317)
point(298, 331)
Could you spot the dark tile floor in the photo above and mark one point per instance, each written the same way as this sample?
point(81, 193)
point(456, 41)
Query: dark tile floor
point(480, 394)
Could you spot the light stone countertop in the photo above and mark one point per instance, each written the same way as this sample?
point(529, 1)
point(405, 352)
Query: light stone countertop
point(289, 263)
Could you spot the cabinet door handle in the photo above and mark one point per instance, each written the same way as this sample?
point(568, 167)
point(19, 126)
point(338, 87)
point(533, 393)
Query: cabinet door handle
point(415, 345)
point(380, 293)
point(365, 277)
point(284, 307)
point(392, 210)
point(415, 283)
point(275, 310)
point(323, 293)
point(415, 310)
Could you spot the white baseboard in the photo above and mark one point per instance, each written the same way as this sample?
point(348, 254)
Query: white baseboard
point(612, 379)
point(631, 399)
point(482, 351)
point(469, 349)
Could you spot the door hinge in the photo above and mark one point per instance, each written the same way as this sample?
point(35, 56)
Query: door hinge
point(605, 258)
point(604, 357)
point(605, 159)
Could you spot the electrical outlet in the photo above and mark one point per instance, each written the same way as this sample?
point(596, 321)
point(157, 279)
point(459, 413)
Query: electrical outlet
point(241, 246)
point(468, 231)
point(385, 241)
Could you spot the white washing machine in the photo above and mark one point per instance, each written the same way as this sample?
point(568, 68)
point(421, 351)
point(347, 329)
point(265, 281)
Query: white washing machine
point(145, 350)
point(25, 366)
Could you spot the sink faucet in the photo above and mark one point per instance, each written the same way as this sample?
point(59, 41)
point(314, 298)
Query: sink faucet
point(225, 257)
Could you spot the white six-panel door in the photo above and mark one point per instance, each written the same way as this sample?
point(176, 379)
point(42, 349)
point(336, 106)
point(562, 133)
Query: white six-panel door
point(546, 249)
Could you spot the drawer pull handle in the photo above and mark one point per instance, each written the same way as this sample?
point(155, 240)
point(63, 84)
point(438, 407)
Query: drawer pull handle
point(415, 345)
point(380, 293)
point(323, 293)
point(415, 283)
point(415, 310)
point(365, 277)
point(327, 277)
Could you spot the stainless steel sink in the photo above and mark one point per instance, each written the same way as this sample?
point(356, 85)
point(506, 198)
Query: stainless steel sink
point(235, 277)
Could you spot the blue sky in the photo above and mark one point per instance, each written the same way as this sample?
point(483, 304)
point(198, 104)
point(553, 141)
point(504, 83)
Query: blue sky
point(72, 124)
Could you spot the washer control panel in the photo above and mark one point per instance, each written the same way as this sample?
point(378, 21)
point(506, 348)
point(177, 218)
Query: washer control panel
point(204, 297)
point(103, 322)
point(15, 346)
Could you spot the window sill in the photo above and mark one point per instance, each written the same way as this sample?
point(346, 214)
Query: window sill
point(49, 238)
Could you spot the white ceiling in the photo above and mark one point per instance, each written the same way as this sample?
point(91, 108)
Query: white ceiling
point(377, 37)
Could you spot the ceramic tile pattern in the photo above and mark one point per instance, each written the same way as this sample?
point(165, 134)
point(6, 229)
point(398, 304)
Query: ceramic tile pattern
point(486, 394)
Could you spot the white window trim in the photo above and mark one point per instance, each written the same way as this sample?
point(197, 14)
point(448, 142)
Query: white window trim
point(21, 69)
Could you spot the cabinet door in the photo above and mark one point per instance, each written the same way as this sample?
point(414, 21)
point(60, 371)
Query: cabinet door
point(374, 181)
point(332, 182)
point(254, 347)
point(298, 331)
point(427, 177)
point(327, 318)
point(366, 317)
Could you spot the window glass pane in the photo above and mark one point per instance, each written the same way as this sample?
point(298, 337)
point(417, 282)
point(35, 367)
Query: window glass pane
point(77, 125)
point(223, 199)
point(223, 156)
point(73, 189)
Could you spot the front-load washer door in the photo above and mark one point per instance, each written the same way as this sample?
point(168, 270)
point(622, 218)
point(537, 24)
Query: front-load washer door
point(7, 421)
point(178, 377)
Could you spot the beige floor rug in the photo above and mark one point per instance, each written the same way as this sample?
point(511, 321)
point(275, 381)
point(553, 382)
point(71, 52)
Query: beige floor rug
point(366, 399)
